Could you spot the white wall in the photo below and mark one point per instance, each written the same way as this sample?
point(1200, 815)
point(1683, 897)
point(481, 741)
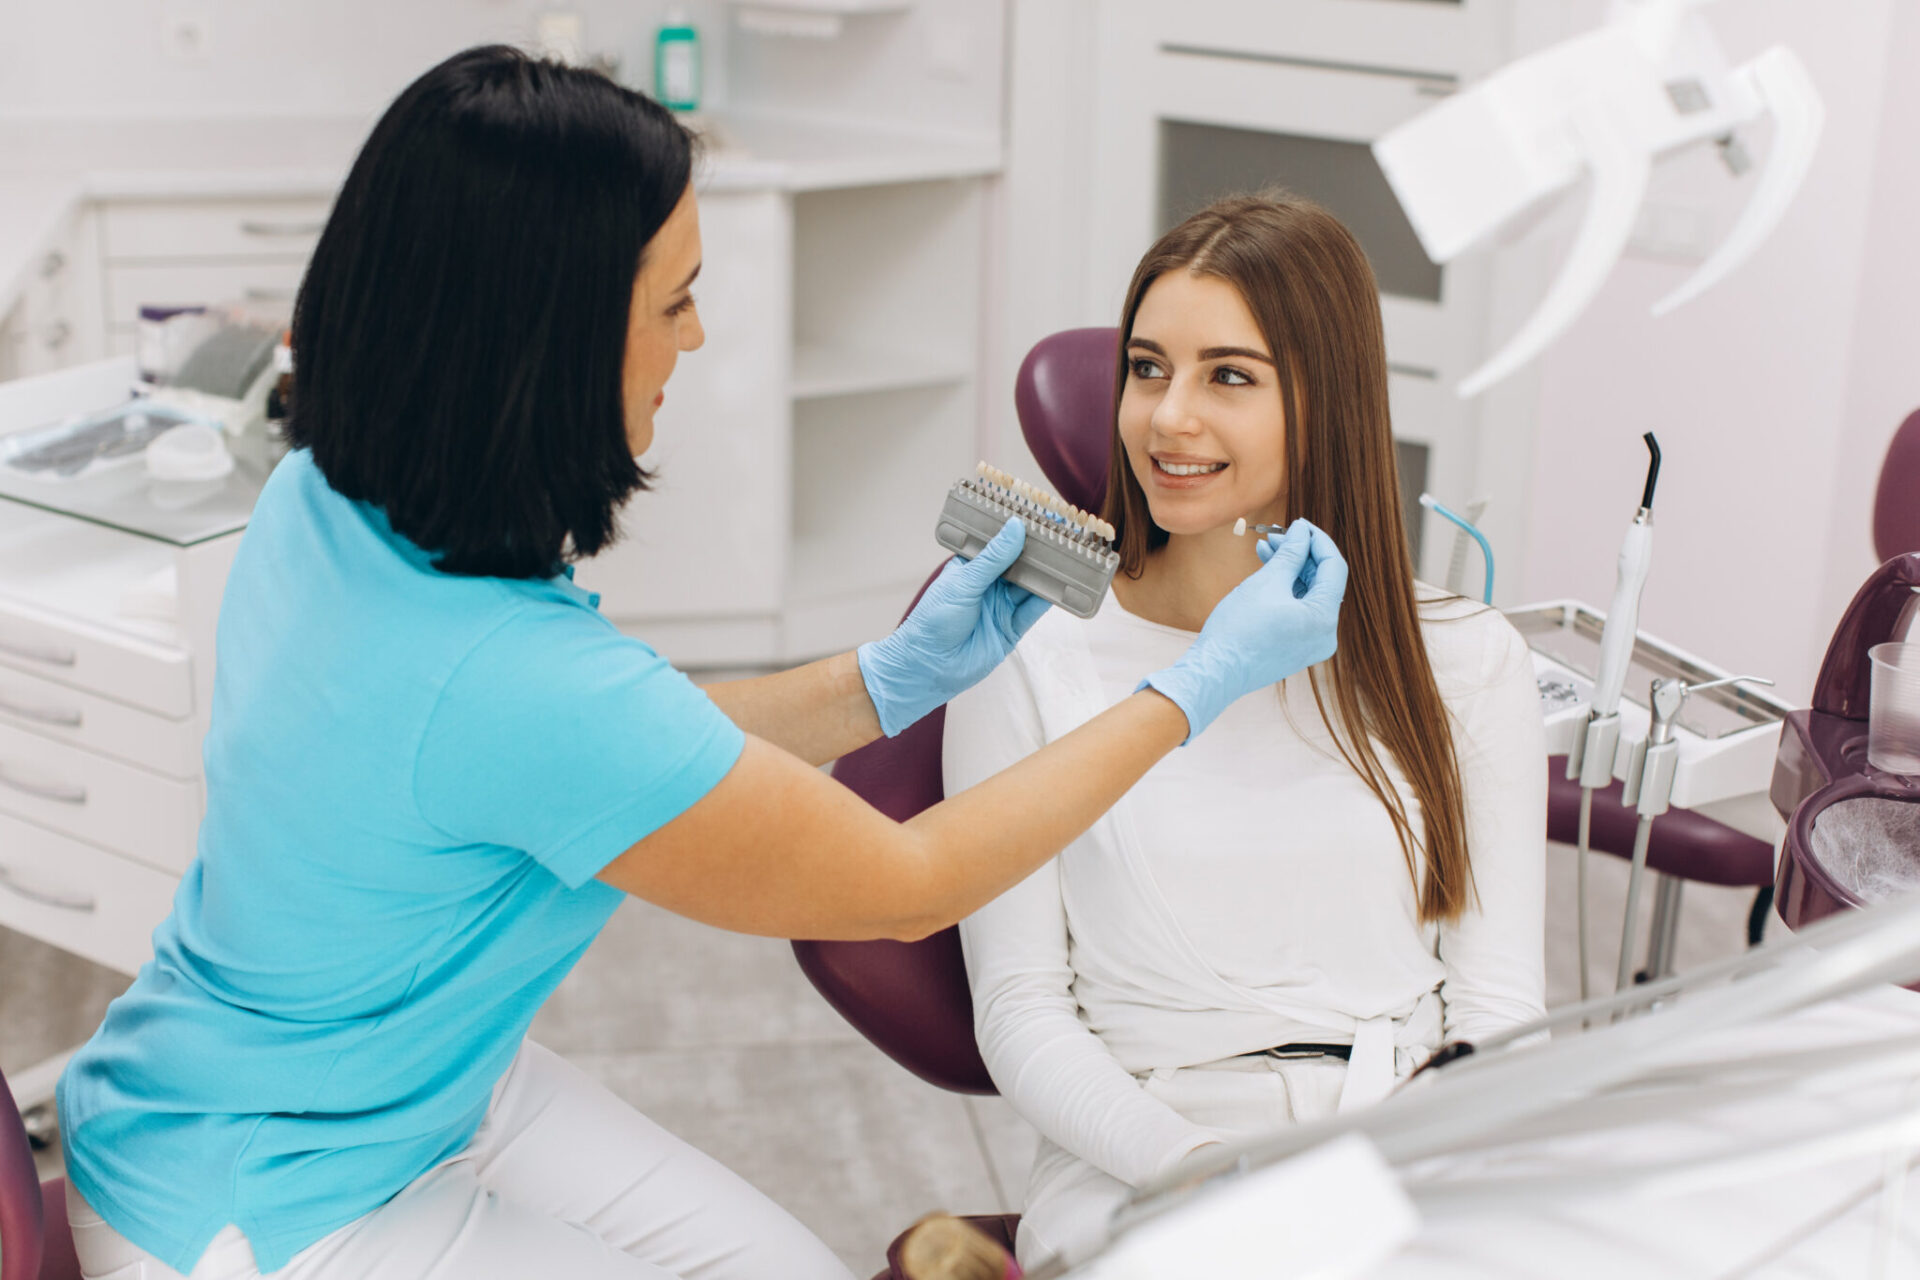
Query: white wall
point(1046, 203)
point(1883, 373)
point(1773, 395)
point(278, 57)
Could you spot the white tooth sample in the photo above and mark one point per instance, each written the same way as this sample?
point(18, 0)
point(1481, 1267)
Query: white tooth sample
point(1240, 527)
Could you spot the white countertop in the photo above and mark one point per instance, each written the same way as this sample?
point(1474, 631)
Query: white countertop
point(49, 166)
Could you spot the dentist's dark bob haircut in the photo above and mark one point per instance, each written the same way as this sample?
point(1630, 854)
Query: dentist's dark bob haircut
point(460, 335)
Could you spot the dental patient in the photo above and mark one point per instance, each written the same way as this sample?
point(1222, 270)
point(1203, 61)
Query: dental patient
point(1289, 915)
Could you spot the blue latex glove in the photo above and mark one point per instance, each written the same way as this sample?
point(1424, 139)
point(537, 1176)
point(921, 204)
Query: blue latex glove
point(1280, 621)
point(966, 622)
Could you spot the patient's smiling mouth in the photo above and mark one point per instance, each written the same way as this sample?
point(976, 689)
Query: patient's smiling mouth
point(1176, 472)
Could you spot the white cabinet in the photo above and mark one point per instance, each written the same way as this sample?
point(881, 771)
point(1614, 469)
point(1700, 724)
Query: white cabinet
point(702, 564)
point(55, 321)
point(801, 456)
point(205, 252)
point(86, 286)
point(102, 706)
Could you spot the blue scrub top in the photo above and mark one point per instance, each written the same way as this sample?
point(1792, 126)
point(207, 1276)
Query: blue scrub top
point(412, 780)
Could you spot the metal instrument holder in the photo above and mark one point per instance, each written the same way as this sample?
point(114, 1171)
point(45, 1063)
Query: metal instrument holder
point(1649, 789)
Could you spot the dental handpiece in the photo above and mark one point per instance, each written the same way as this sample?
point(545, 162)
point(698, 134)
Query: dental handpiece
point(1623, 612)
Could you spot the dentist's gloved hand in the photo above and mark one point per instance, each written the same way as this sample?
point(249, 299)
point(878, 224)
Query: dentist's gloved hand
point(968, 620)
point(1278, 622)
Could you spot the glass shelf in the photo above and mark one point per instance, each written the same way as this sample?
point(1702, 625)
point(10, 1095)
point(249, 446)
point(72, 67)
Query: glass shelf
point(126, 497)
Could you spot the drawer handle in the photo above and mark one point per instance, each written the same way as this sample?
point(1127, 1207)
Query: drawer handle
point(64, 901)
point(45, 715)
point(47, 653)
point(53, 264)
point(253, 227)
point(64, 792)
point(255, 294)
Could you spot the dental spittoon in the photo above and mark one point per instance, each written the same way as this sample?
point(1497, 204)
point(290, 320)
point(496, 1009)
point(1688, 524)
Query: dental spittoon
point(1068, 558)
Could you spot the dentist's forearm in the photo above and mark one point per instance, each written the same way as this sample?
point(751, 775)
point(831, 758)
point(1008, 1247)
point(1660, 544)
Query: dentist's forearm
point(988, 838)
point(818, 712)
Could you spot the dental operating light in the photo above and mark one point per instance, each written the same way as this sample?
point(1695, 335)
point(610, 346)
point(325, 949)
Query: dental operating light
point(1650, 82)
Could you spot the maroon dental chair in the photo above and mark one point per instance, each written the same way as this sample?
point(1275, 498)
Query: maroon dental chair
point(1687, 845)
point(911, 998)
point(34, 1241)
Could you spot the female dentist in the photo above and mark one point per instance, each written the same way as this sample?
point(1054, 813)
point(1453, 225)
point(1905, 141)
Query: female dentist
point(433, 769)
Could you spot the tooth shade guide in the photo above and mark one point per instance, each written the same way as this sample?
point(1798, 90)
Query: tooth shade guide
point(1080, 522)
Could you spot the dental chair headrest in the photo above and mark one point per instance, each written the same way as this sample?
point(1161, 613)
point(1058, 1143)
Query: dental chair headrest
point(1896, 504)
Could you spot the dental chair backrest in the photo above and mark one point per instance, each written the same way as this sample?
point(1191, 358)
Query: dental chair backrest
point(911, 998)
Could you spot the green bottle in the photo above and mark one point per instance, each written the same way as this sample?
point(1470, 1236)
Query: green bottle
point(676, 63)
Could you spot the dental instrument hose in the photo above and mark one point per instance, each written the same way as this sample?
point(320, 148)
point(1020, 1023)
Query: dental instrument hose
point(1591, 763)
point(1428, 501)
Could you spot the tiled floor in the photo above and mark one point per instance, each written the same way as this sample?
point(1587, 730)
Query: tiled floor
point(721, 1039)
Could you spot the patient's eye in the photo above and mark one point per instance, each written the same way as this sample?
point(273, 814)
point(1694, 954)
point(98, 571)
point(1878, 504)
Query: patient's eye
point(1233, 377)
point(1145, 368)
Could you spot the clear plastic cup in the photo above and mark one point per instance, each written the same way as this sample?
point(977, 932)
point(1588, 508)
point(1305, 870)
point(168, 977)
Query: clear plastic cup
point(1893, 714)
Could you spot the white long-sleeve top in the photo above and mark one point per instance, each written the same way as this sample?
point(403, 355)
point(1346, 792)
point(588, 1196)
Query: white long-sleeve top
point(1250, 891)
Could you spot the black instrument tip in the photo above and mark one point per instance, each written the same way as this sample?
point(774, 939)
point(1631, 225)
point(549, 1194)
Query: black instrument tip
point(1653, 471)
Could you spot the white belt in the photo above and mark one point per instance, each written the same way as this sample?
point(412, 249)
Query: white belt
point(1370, 1074)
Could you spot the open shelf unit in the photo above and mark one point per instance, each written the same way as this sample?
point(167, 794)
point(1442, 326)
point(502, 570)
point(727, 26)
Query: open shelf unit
point(880, 428)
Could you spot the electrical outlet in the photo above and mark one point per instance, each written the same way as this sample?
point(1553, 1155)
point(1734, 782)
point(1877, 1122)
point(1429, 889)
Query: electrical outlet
point(184, 34)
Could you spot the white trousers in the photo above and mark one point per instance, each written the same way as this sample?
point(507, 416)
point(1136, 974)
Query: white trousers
point(1070, 1202)
point(561, 1179)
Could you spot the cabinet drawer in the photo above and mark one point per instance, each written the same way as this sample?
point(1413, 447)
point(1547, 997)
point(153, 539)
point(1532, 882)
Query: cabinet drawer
point(266, 285)
point(153, 819)
point(79, 898)
point(214, 229)
point(68, 651)
point(99, 724)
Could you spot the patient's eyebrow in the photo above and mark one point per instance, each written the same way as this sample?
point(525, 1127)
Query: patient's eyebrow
point(1210, 353)
point(1247, 353)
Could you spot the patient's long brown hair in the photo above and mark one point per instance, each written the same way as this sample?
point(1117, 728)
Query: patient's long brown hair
point(1311, 291)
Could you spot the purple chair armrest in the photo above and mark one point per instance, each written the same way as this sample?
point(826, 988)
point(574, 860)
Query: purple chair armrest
point(1684, 843)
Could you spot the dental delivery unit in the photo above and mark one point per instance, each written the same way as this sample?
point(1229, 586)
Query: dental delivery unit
point(1068, 558)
